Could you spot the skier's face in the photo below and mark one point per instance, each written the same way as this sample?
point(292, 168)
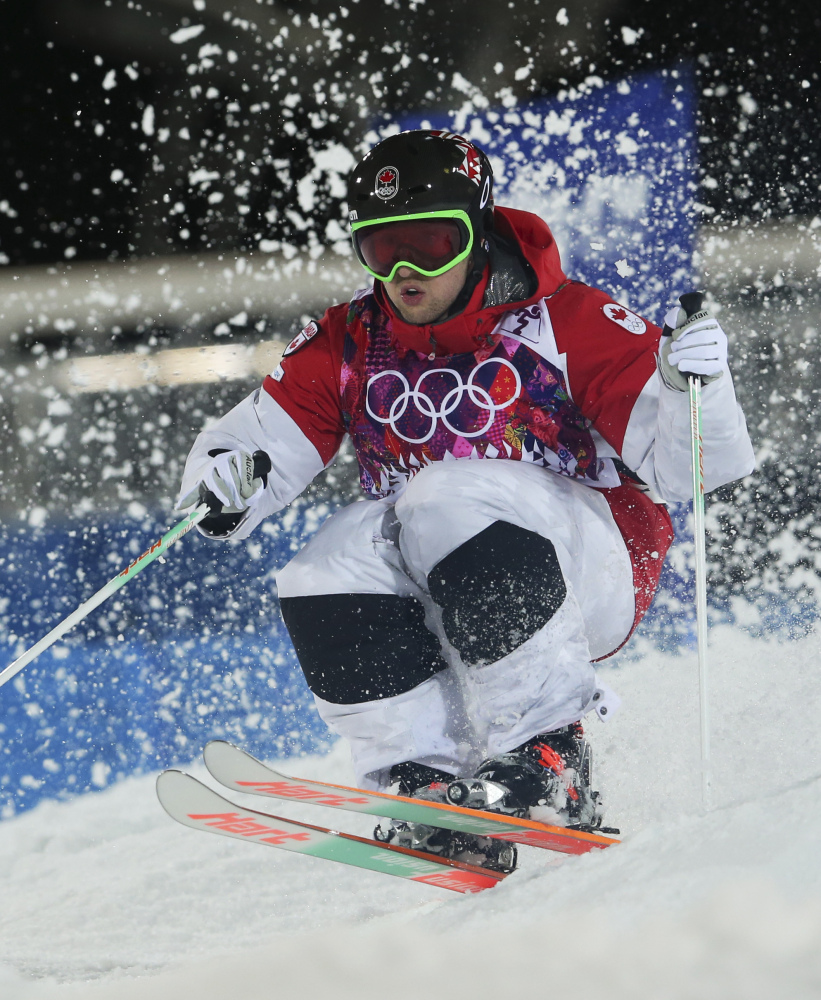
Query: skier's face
point(420, 300)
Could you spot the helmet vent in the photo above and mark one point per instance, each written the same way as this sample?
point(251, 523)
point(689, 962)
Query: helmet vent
point(419, 188)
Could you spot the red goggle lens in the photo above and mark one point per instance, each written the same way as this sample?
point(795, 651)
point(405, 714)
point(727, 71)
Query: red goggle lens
point(426, 243)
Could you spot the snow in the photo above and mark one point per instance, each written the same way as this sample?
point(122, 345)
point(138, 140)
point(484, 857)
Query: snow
point(186, 34)
point(104, 897)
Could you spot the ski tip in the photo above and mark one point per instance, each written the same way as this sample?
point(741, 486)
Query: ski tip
point(213, 754)
point(221, 758)
point(167, 786)
point(214, 749)
point(170, 776)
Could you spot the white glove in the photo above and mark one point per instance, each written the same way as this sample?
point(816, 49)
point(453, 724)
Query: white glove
point(698, 346)
point(231, 481)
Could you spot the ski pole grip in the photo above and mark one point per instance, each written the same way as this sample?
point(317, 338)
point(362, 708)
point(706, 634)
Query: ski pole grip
point(262, 465)
point(210, 500)
point(691, 302)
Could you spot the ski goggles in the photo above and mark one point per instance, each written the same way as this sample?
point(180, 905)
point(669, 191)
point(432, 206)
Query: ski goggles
point(430, 243)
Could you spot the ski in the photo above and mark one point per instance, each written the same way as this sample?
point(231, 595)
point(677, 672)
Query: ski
point(190, 802)
point(241, 772)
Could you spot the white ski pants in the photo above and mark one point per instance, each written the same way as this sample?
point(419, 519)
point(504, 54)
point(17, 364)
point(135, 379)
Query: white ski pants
point(463, 714)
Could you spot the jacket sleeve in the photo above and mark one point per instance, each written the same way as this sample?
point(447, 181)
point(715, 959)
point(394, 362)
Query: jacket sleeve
point(612, 377)
point(657, 439)
point(295, 417)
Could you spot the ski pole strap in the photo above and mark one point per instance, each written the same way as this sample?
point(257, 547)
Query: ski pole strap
point(139, 564)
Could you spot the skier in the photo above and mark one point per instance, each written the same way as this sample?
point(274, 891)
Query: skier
point(517, 433)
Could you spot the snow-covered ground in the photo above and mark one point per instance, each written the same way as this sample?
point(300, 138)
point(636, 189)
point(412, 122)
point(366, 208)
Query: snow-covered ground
point(104, 897)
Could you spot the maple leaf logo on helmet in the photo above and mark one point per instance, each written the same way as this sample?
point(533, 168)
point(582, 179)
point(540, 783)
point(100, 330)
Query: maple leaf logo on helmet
point(387, 183)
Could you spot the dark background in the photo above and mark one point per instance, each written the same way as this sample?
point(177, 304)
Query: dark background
point(62, 134)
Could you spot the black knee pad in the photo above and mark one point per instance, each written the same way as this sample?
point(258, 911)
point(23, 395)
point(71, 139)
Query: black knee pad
point(361, 647)
point(497, 590)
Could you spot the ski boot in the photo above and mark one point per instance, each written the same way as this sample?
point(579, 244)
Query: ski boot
point(418, 781)
point(545, 779)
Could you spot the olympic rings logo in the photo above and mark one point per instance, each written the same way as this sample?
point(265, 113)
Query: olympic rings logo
point(478, 395)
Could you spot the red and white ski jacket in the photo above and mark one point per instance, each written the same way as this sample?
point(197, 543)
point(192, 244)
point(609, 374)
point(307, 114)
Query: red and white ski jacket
point(565, 379)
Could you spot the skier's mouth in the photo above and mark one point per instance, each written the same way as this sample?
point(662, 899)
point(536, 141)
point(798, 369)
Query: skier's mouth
point(411, 294)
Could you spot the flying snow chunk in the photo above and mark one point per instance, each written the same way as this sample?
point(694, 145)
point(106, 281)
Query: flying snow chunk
point(148, 120)
point(99, 773)
point(749, 105)
point(624, 269)
point(37, 517)
point(186, 34)
point(630, 36)
point(561, 17)
point(202, 176)
point(110, 80)
point(625, 145)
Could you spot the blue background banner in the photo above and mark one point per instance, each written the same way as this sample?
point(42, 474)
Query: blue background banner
point(190, 650)
point(611, 169)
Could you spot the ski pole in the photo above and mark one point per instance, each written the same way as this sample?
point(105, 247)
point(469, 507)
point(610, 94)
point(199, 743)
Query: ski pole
point(156, 550)
point(692, 303)
point(699, 539)
point(262, 466)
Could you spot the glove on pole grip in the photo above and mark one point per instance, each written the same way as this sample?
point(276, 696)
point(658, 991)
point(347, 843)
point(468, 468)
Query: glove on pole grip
point(262, 466)
point(691, 303)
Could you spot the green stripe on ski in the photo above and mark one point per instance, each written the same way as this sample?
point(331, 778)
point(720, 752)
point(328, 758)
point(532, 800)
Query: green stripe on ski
point(195, 805)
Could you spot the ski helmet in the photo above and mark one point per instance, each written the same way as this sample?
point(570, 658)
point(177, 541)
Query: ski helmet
point(427, 176)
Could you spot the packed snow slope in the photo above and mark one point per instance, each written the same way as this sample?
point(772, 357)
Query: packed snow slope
point(105, 897)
